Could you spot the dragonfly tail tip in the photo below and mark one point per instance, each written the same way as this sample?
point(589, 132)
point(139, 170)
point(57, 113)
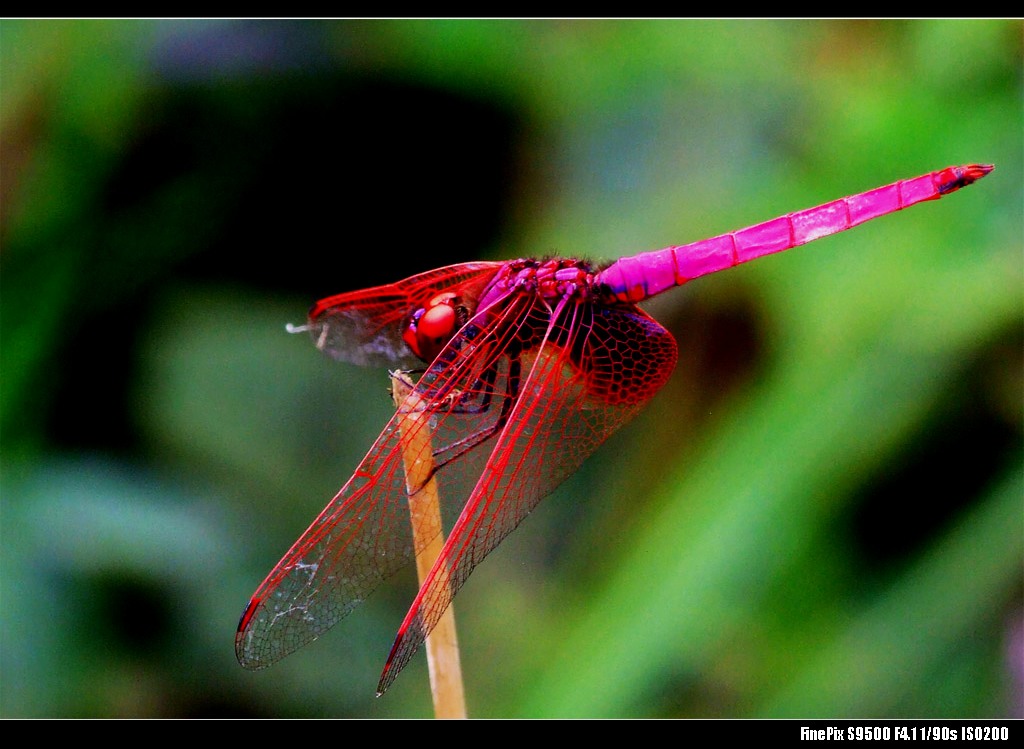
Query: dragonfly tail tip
point(977, 171)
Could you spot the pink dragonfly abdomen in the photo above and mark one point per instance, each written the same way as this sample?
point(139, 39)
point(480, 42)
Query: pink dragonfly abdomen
point(632, 279)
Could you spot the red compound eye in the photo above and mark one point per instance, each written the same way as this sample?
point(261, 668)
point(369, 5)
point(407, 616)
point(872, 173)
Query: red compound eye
point(431, 327)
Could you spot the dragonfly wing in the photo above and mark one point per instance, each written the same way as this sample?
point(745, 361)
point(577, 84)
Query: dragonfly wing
point(365, 326)
point(363, 536)
point(606, 365)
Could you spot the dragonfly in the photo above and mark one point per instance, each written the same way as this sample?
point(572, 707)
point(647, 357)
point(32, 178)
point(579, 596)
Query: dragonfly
point(525, 368)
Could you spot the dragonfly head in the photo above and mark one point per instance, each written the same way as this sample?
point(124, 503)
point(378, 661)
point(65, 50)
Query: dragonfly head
point(429, 328)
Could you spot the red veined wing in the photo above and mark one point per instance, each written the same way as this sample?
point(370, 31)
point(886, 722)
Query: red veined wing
point(363, 536)
point(365, 326)
point(594, 368)
point(607, 364)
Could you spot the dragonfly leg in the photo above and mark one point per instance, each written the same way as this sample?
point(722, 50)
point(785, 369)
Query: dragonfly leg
point(460, 447)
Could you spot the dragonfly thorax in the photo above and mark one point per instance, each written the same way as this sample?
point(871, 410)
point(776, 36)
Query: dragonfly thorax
point(551, 279)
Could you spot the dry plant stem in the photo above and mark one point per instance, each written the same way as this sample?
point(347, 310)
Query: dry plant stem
point(425, 515)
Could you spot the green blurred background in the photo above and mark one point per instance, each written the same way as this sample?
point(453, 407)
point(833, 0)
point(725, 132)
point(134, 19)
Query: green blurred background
point(822, 514)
